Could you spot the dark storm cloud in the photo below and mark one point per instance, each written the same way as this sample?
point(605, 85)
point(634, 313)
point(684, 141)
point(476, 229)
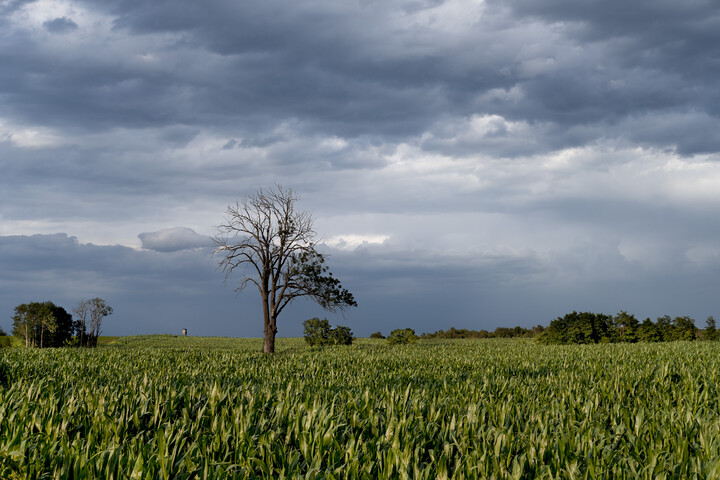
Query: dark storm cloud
point(506, 159)
point(643, 58)
point(9, 6)
point(60, 25)
point(396, 287)
point(380, 69)
point(149, 291)
point(161, 292)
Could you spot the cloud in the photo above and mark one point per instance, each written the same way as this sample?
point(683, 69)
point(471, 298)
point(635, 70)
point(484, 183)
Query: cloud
point(396, 285)
point(60, 25)
point(518, 149)
point(353, 241)
point(387, 70)
point(173, 239)
point(151, 292)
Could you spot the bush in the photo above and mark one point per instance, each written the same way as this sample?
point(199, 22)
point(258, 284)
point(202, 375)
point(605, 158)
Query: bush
point(402, 336)
point(377, 335)
point(318, 333)
point(341, 335)
point(5, 341)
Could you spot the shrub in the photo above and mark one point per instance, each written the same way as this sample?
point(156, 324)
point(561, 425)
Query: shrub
point(341, 335)
point(318, 333)
point(402, 336)
point(5, 341)
point(377, 335)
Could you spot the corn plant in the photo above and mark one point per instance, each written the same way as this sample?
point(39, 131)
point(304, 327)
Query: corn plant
point(182, 408)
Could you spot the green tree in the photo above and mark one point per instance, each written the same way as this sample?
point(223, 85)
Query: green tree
point(626, 327)
point(648, 332)
point(273, 243)
point(317, 332)
point(25, 321)
point(341, 335)
point(710, 332)
point(585, 327)
point(684, 328)
point(665, 329)
point(377, 335)
point(42, 324)
point(47, 323)
point(402, 336)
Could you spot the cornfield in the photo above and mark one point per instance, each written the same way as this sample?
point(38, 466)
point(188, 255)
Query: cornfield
point(167, 407)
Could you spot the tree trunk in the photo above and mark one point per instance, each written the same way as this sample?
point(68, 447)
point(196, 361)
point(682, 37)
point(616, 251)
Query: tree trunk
point(269, 344)
point(270, 330)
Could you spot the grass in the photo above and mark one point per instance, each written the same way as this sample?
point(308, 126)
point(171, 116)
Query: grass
point(199, 407)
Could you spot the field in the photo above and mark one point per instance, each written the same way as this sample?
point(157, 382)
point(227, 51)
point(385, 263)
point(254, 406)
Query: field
point(174, 407)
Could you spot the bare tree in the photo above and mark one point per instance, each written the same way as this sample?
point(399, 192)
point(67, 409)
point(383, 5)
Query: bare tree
point(272, 242)
point(81, 311)
point(91, 313)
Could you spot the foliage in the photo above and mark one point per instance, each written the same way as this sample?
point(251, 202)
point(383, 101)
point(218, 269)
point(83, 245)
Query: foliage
point(584, 327)
point(42, 324)
point(710, 332)
point(271, 243)
point(377, 335)
point(341, 335)
point(649, 332)
point(5, 341)
point(402, 336)
point(624, 328)
point(500, 332)
point(683, 328)
point(587, 327)
point(437, 409)
point(318, 332)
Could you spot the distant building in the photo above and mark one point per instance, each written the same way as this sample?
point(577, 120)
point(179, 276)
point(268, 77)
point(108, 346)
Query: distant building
point(184, 332)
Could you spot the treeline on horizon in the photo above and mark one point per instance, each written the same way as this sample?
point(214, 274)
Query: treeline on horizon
point(44, 324)
point(500, 332)
point(587, 327)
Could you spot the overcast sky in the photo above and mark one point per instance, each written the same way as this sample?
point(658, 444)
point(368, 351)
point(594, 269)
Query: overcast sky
point(469, 164)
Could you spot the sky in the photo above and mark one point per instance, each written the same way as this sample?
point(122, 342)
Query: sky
point(469, 164)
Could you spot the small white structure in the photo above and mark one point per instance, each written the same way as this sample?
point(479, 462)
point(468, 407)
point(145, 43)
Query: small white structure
point(184, 332)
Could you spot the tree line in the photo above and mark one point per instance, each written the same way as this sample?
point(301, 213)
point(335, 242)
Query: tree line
point(587, 327)
point(500, 332)
point(44, 324)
